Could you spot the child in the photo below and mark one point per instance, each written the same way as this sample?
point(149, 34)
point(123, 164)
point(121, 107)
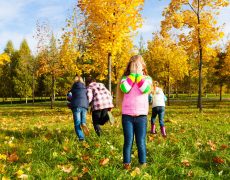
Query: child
point(101, 103)
point(133, 94)
point(158, 108)
point(79, 105)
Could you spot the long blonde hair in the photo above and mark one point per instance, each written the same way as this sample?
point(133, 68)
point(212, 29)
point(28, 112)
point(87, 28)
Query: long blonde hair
point(134, 59)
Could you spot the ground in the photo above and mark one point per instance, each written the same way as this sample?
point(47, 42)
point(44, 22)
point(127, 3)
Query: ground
point(39, 143)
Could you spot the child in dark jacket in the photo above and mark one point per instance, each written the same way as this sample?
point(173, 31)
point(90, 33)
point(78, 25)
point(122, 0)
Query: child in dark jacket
point(79, 106)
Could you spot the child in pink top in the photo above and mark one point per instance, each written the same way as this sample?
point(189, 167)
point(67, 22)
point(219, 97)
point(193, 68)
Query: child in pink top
point(134, 86)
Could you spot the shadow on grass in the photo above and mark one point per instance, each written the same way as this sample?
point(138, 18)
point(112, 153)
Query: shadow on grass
point(205, 161)
point(39, 133)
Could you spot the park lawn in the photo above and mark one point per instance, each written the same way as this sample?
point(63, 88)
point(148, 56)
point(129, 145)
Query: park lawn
point(39, 143)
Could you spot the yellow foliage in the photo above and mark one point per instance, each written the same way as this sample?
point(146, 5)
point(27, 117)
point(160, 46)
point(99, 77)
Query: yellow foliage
point(4, 58)
point(166, 59)
point(111, 24)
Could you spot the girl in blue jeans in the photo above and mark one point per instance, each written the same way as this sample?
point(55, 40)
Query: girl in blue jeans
point(158, 108)
point(79, 106)
point(133, 95)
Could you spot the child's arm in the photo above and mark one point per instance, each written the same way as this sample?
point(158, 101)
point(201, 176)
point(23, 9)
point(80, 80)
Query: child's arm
point(90, 94)
point(144, 83)
point(127, 82)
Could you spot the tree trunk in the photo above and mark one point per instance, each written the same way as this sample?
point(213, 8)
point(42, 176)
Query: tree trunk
point(199, 104)
point(176, 89)
point(168, 87)
point(33, 89)
point(52, 92)
point(109, 70)
point(26, 100)
point(221, 85)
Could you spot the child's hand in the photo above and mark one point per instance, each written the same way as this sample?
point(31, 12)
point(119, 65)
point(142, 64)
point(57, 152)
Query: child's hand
point(139, 68)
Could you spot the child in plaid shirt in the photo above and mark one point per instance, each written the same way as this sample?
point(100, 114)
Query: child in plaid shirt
point(101, 103)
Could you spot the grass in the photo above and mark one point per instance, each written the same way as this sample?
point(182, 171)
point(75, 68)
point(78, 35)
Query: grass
point(39, 143)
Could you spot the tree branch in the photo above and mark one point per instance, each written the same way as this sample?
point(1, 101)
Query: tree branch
point(192, 8)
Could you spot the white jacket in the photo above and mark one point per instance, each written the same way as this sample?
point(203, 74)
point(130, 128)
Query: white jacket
point(158, 98)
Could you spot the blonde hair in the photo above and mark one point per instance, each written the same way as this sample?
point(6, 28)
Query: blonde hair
point(134, 59)
point(154, 85)
point(79, 79)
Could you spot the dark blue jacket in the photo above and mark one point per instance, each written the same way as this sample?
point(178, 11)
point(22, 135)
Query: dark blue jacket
point(79, 96)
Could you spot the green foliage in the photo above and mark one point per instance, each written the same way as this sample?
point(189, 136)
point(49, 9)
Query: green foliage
point(23, 77)
point(46, 147)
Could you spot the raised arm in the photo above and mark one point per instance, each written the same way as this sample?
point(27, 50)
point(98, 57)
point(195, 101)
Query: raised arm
point(90, 94)
point(127, 82)
point(144, 83)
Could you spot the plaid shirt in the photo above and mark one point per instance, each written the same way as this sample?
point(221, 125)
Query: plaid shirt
point(99, 97)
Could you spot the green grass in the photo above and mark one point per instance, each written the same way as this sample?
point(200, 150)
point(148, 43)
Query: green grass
point(46, 147)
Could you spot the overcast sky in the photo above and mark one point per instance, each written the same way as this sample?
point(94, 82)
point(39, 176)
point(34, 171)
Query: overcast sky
point(18, 19)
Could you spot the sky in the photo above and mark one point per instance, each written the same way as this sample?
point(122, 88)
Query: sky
point(18, 19)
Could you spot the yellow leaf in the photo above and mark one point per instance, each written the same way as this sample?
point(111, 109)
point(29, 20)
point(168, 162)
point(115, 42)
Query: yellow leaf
point(19, 172)
point(136, 172)
point(55, 154)
point(5, 178)
point(2, 168)
point(3, 157)
point(29, 151)
point(23, 176)
point(66, 168)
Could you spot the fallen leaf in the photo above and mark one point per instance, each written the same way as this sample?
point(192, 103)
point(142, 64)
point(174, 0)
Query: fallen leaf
point(29, 151)
point(2, 168)
point(66, 149)
point(151, 138)
point(218, 160)
point(97, 145)
point(224, 146)
point(5, 178)
point(212, 145)
point(23, 176)
point(136, 172)
point(3, 157)
point(85, 170)
point(13, 157)
point(55, 154)
point(190, 173)
point(86, 145)
point(19, 172)
point(66, 168)
point(104, 161)
point(185, 163)
point(85, 158)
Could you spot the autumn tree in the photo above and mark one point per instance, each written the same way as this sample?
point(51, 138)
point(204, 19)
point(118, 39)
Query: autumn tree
point(111, 23)
point(198, 28)
point(222, 69)
point(166, 61)
point(4, 74)
point(74, 42)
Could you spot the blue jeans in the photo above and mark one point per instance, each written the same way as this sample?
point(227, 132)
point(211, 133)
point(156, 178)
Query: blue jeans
point(79, 117)
point(134, 126)
point(160, 111)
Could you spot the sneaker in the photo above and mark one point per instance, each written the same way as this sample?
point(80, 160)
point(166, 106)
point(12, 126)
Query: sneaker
point(143, 165)
point(127, 166)
point(85, 129)
point(111, 118)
